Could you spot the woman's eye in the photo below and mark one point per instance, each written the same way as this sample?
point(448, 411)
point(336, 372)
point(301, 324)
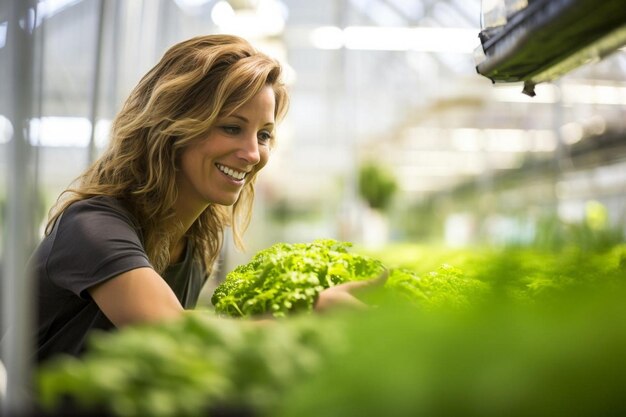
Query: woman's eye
point(265, 137)
point(231, 130)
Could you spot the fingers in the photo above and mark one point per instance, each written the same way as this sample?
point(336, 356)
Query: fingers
point(341, 295)
point(382, 278)
point(337, 298)
point(348, 300)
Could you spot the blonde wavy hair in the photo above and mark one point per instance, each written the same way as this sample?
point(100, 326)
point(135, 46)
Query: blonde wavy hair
point(175, 104)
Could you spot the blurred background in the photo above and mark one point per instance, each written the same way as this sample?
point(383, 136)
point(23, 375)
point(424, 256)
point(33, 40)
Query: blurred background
point(396, 130)
point(392, 134)
point(466, 161)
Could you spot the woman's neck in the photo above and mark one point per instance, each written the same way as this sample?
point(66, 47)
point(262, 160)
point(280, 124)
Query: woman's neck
point(186, 215)
point(177, 252)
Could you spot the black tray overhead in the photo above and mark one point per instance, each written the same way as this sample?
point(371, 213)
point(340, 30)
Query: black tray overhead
point(551, 37)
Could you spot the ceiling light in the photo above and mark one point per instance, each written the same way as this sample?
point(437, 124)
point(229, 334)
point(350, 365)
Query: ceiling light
point(6, 130)
point(191, 7)
point(222, 13)
point(3, 33)
point(327, 37)
point(424, 39)
point(67, 131)
point(266, 19)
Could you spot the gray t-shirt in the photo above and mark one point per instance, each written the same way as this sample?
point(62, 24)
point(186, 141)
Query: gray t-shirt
point(94, 240)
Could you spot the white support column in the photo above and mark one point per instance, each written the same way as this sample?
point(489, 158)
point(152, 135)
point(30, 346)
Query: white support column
point(17, 294)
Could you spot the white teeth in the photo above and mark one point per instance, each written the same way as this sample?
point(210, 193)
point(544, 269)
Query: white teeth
point(228, 171)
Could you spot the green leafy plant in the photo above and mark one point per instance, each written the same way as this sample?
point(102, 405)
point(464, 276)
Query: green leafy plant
point(448, 287)
point(377, 186)
point(558, 358)
point(191, 367)
point(287, 278)
point(530, 333)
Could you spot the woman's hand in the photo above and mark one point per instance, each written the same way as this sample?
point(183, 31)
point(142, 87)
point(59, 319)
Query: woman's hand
point(341, 296)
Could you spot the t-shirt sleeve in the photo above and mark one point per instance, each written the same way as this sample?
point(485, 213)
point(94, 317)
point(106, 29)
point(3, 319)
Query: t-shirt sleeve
point(93, 243)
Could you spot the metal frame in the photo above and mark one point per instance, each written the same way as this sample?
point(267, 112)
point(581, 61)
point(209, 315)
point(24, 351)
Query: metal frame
point(17, 317)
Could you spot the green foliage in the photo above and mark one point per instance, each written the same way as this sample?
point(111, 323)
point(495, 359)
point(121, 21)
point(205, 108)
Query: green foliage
point(447, 287)
point(518, 274)
point(592, 234)
point(561, 358)
point(479, 332)
point(188, 367)
point(377, 186)
point(288, 278)
point(419, 221)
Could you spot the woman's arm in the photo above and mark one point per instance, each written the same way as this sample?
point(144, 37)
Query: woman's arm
point(142, 296)
point(137, 296)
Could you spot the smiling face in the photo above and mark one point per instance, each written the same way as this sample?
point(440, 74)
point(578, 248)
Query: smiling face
point(215, 169)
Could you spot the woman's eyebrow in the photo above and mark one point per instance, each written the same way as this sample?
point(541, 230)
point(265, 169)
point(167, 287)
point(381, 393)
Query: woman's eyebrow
point(244, 119)
point(240, 118)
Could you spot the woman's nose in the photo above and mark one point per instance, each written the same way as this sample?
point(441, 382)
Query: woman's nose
point(249, 150)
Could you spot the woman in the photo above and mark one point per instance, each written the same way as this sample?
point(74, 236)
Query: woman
point(135, 239)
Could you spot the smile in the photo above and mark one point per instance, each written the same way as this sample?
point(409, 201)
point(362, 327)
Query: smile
point(238, 175)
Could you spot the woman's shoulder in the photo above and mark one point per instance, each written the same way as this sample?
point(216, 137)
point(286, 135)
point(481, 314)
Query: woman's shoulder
point(99, 205)
point(101, 202)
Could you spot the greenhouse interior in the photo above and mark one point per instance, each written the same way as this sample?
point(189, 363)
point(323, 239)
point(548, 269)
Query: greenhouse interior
point(440, 228)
